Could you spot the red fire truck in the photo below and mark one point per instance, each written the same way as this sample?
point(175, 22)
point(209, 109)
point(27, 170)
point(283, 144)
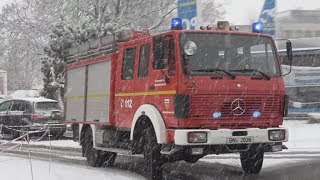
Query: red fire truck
point(178, 95)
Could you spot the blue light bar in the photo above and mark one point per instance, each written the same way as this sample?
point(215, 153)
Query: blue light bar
point(176, 24)
point(217, 115)
point(256, 114)
point(257, 27)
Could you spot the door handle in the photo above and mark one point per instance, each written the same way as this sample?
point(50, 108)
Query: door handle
point(120, 90)
point(152, 87)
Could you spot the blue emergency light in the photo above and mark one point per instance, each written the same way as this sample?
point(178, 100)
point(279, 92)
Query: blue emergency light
point(257, 27)
point(176, 24)
point(217, 115)
point(256, 114)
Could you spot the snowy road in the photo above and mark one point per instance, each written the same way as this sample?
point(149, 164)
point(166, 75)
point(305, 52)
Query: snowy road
point(301, 161)
point(17, 168)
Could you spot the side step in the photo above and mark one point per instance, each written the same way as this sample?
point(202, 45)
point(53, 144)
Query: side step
point(119, 151)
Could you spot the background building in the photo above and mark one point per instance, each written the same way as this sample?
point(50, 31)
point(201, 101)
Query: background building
point(298, 24)
point(295, 24)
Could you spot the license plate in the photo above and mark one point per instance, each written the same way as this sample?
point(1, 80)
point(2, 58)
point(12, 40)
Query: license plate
point(239, 140)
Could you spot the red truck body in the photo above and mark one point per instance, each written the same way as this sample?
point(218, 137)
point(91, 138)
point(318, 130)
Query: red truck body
point(235, 113)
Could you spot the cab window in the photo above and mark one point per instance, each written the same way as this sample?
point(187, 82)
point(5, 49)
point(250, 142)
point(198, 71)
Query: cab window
point(128, 63)
point(159, 52)
point(5, 106)
point(171, 58)
point(144, 60)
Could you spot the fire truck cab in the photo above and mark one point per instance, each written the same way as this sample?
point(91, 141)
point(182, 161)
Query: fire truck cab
point(178, 95)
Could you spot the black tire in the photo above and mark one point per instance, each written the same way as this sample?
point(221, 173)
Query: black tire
point(152, 157)
point(96, 158)
point(93, 156)
point(18, 133)
point(192, 159)
point(58, 136)
point(109, 158)
point(252, 160)
point(15, 134)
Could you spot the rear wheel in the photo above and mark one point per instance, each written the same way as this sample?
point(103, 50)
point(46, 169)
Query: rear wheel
point(252, 160)
point(96, 158)
point(57, 136)
point(152, 156)
point(18, 132)
point(15, 134)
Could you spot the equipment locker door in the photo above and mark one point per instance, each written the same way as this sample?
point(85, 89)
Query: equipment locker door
point(124, 90)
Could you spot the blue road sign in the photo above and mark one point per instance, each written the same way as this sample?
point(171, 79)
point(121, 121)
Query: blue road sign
point(267, 17)
point(187, 11)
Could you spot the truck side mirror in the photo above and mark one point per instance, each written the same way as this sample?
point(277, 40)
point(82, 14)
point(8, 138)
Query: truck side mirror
point(289, 55)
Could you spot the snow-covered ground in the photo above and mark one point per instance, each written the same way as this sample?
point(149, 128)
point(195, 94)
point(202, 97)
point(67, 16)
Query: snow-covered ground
point(20, 169)
point(52, 143)
point(57, 143)
point(304, 138)
point(304, 144)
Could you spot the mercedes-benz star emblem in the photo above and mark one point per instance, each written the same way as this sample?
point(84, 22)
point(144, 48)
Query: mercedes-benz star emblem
point(238, 107)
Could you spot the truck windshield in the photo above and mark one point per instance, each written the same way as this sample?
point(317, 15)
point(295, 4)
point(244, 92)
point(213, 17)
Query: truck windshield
point(237, 54)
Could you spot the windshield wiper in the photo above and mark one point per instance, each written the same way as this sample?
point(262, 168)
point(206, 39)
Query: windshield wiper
point(232, 76)
point(268, 77)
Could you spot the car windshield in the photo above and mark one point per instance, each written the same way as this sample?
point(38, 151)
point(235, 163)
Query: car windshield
point(47, 106)
point(233, 53)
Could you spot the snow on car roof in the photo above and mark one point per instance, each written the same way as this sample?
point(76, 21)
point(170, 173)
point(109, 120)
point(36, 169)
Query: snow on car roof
point(33, 99)
point(36, 99)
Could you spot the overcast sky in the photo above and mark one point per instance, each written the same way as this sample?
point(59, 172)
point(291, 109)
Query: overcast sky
point(246, 11)
point(3, 2)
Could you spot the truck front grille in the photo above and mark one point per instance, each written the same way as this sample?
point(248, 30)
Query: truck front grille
point(203, 106)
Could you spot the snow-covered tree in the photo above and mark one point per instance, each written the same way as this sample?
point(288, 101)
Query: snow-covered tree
point(34, 34)
point(211, 11)
point(97, 18)
point(24, 26)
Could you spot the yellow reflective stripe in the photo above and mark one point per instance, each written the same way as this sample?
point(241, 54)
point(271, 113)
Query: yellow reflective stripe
point(97, 95)
point(125, 94)
point(146, 93)
point(88, 96)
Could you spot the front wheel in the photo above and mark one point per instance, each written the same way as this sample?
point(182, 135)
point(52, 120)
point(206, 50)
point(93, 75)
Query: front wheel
point(252, 160)
point(192, 159)
point(152, 157)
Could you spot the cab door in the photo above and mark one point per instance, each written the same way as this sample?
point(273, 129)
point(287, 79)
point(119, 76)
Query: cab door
point(4, 113)
point(15, 113)
point(125, 86)
point(159, 83)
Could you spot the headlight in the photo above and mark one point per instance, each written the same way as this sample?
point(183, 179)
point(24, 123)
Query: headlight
point(277, 135)
point(197, 137)
point(190, 48)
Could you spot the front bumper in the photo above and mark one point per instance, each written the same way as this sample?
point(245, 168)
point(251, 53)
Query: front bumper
point(222, 136)
point(54, 128)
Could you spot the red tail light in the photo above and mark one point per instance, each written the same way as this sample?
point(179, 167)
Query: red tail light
point(37, 116)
